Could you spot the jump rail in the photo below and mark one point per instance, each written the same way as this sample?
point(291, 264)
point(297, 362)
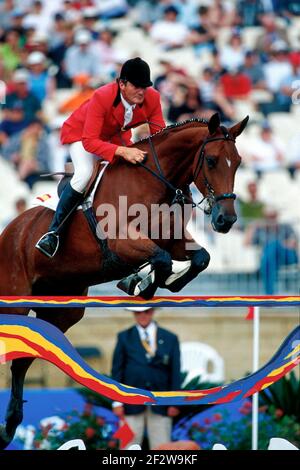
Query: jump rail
point(168, 301)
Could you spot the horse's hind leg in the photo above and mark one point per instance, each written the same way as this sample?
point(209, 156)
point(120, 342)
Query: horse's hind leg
point(14, 412)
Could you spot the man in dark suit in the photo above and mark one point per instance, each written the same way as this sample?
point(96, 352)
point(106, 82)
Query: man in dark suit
point(147, 356)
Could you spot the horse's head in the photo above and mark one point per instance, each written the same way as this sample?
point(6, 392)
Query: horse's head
point(214, 170)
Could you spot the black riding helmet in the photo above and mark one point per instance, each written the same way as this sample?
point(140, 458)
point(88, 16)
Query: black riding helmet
point(137, 72)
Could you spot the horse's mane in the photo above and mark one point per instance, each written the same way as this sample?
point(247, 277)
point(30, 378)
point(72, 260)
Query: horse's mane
point(161, 132)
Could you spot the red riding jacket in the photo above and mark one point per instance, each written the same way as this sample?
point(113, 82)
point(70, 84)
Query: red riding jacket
point(98, 122)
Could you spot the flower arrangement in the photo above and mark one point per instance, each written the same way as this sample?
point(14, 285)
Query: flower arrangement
point(94, 430)
point(236, 435)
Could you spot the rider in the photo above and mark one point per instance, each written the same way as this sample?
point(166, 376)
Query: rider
point(98, 128)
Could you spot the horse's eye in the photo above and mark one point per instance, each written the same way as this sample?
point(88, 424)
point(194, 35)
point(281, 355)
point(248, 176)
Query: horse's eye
point(211, 162)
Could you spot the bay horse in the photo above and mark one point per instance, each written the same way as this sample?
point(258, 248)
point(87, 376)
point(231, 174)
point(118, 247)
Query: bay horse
point(198, 151)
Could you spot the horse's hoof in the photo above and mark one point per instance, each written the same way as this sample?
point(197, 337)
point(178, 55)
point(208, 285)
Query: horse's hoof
point(149, 292)
point(129, 283)
point(5, 439)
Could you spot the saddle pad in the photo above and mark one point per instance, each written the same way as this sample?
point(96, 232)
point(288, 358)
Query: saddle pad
point(50, 200)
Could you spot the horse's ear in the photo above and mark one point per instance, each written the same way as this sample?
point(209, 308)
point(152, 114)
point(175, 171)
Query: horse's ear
point(213, 123)
point(239, 127)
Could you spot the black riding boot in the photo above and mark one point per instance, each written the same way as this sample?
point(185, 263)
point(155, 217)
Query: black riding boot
point(69, 201)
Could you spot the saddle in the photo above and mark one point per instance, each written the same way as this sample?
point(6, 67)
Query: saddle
point(69, 172)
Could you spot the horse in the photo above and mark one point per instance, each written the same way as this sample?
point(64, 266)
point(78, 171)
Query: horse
point(196, 150)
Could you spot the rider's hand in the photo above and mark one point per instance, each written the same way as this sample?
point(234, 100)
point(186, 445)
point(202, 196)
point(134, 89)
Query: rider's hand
point(131, 154)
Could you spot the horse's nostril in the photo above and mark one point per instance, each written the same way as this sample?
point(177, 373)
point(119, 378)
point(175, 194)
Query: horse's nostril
point(220, 220)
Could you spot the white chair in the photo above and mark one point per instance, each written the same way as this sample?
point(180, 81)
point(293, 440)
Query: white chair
point(199, 359)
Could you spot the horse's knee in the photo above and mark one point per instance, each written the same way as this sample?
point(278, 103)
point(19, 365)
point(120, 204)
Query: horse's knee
point(200, 260)
point(162, 264)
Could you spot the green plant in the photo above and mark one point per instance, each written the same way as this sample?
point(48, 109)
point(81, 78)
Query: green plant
point(284, 395)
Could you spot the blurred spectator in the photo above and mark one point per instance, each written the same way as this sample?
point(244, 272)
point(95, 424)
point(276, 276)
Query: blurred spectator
point(85, 89)
point(29, 151)
point(277, 72)
point(31, 105)
point(38, 42)
point(37, 19)
point(58, 53)
point(186, 105)
point(272, 33)
point(10, 50)
point(267, 151)
point(41, 84)
point(80, 58)
point(251, 209)
point(14, 121)
point(216, 66)
point(279, 246)
point(213, 97)
point(90, 16)
point(288, 86)
point(287, 8)
point(171, 76)
point(235, 84)
point(249, 11)
point(69, 12)
point(108, 54)
point(222, 13)
point(6, 8)
point(169, 32)
point(203, 36)
point(278, 68)
point(17, 17)
point(254, 70)
point(232, 55)
point(58, 31)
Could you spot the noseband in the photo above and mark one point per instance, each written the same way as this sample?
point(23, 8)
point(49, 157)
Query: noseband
point(211, 198)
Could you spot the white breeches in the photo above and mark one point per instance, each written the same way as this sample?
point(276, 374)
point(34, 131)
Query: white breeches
point(83, 162)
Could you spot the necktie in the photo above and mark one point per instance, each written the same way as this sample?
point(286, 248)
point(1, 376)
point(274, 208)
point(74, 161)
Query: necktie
point(146, 343)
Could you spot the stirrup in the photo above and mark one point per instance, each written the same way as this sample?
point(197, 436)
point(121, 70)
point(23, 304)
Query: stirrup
point(42, 250)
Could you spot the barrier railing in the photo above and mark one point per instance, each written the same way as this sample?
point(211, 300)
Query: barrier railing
point(168, 301)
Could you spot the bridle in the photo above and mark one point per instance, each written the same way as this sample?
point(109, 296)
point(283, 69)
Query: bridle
point(211, 198)
point(179, 196)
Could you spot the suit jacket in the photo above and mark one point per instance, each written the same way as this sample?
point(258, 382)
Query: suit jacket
point(98, 122)
point(132, 366)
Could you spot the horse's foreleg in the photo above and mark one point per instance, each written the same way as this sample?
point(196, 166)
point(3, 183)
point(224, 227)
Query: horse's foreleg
point(138, 252)
point(192, 262)
point(14, 413)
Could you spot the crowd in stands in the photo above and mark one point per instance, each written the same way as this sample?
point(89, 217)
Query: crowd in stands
point(236, 57)
point(47, 46)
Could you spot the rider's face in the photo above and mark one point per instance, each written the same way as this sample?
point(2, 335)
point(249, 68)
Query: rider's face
point(131, 93)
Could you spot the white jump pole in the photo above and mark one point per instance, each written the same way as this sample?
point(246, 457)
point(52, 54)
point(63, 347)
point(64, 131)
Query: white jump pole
point(256, 321)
